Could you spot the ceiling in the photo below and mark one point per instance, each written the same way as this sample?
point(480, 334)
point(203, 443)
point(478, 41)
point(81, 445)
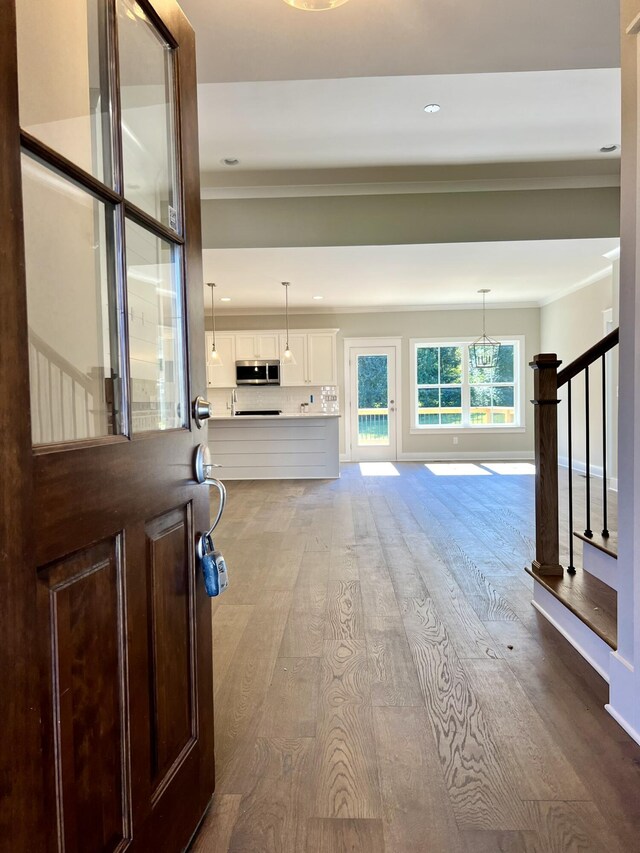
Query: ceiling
point(309, 102)
point(362, 122)
point(242, 40)
point(390, 277)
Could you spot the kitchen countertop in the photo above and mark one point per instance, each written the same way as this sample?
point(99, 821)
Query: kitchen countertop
point(282, 417)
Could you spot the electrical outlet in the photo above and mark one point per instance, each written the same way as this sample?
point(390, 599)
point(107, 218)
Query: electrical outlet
point(455, 439)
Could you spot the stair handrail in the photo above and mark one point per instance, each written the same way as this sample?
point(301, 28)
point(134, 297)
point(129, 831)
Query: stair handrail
point(589, 357)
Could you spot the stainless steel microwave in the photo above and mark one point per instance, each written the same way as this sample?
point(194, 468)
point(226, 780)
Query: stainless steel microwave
point(257, 372)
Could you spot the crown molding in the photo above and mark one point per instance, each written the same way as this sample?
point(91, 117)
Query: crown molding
point(410, 187)
point(580, 285)
point(381, 309)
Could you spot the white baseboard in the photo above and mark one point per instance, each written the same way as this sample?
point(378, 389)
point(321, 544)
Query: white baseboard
point(345, 457)
point(454, 456)
point(633, 733)
point(623, 695)
point(594, 650)
point(596, 470)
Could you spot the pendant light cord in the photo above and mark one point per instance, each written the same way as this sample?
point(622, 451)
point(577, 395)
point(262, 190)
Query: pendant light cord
point(213, 314)
point(286, 308)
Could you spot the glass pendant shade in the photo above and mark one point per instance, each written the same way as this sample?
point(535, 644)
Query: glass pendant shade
point(315, 5)
point(483, 352)
point(288, 357)
point(214, 358)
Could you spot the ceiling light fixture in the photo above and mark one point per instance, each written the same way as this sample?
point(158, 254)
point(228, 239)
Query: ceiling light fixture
point(315, 5)
point(230, 161)
point(214, 357)
point(318, 297)
point(288, 357)
point(484, 351)
point(432, 108)
point(609, 149)
point(225, 299)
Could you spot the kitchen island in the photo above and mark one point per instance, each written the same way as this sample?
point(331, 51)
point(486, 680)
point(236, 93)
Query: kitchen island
point(275, 447)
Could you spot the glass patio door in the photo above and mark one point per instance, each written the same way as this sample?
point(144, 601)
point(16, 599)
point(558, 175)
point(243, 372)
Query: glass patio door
point(373, 404)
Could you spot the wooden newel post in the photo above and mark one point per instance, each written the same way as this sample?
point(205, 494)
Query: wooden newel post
point(545, 366)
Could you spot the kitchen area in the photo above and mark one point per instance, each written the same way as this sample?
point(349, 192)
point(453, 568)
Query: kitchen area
point(274, 395)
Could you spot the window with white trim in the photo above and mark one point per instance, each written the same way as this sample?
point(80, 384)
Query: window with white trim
point(450, 393)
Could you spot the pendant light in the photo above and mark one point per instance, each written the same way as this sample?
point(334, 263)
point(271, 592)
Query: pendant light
point(214, 355)
point(288, 357)
point(484, 351)
point(315, 5)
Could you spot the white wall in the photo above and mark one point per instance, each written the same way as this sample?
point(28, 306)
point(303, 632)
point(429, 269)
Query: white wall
point(568, 327)
point(430, 324)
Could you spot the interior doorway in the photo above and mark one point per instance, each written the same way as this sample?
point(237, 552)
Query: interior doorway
point(372, 389)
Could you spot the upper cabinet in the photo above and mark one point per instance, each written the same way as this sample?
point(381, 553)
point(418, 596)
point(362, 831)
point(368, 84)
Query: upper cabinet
point(315, 355)
point(314, 351)
point(222, 375)
point(321, 358)
point(261, 345)
point(294, 374)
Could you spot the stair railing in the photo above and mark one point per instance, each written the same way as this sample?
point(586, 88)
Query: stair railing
point(547, 382)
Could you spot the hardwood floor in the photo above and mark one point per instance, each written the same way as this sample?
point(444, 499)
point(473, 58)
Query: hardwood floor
point(382, 682)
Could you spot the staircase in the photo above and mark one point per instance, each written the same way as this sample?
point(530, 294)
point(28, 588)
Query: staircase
point(575, 573)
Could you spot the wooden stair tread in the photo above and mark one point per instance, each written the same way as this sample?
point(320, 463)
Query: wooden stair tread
point(588, 598)
point(609, 544)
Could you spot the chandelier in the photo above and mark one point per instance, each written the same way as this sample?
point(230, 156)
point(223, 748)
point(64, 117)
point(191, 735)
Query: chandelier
point(483, 352)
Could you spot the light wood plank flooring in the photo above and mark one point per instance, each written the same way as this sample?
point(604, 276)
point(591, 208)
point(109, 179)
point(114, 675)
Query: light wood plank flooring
point(382, 682)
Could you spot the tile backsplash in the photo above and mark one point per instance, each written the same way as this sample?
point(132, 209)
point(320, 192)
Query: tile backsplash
point(288, 400)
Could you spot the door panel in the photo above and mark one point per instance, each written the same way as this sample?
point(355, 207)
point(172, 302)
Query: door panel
point(294, 374)
point(172, 688)
point(322, 359)
point(246, 348)
point(105, 510)
point(268, 346)
point(80, 602)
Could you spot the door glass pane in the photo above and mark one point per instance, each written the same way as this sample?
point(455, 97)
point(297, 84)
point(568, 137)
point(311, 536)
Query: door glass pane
point(147, 95)
point(373, 400)
point(71, 300)
point(156, 331)
point(63, 79)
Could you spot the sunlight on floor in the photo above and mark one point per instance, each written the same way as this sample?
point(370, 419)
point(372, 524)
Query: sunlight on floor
point(456, 469)
point(510, 468)
point(378, 469)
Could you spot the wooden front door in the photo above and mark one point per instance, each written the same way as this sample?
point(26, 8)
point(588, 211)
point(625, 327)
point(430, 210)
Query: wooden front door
point(106, 678)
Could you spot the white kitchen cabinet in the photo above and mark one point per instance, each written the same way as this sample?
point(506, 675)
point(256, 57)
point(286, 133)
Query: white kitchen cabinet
point(246, 349)
point(268, 346)
point(222, 375)
point(315, 354)
point(321, 358)
point(262, 345)
point(294, 374)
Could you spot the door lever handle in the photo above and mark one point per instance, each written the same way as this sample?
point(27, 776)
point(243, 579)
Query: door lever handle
point(201, 546)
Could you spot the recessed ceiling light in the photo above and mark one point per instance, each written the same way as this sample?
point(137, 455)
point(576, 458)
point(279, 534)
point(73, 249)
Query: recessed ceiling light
point(318, 297)
point(230, 161)
point(225, 299)
point(609, 149)
point(432, 108)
